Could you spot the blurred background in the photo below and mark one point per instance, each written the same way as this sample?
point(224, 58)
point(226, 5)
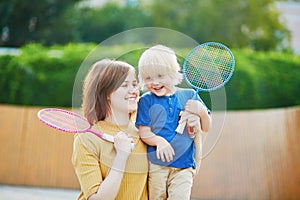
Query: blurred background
point(44, 42)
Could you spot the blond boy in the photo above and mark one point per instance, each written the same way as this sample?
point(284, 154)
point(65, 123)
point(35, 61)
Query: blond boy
point(171, 155)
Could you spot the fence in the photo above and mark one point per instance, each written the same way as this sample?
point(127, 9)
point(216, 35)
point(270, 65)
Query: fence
point(32, 153)
point(256, 157)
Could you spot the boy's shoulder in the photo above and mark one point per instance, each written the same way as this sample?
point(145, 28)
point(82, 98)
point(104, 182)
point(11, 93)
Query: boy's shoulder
point(146, 94)
point(184, 94)
point(186, 91)
point(146, 97)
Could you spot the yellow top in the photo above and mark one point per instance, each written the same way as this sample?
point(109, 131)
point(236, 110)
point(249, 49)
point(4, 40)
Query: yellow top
point(92, 158)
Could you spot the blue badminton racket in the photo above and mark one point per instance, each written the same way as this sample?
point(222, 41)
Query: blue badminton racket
point(207, 67)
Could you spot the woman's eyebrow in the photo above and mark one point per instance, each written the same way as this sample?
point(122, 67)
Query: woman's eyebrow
point(127, 81)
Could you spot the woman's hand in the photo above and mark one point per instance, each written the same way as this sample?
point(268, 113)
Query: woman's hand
point(123, 144)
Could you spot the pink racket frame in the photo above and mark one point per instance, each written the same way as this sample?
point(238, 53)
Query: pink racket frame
point(87, 129)
point(104, 136)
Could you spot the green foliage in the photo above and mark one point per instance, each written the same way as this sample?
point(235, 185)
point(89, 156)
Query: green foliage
point(45, 76)
point(237, 23)
point(264, 80)
point(98, 24)
point(40, 75)
point(36, 21)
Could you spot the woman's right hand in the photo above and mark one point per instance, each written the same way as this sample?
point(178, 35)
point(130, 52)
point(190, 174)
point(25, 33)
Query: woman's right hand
point(123, 144)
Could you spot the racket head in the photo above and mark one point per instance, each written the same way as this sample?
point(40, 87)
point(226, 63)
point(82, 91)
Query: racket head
point(63, 120)
point(209, 66)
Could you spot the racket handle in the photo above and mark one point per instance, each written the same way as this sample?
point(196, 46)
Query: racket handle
point(180, 127)
point(191, 130)
point(108, 138)
point(132, 146)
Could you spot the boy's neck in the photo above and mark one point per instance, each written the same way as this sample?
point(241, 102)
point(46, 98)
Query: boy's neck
point(172, 91)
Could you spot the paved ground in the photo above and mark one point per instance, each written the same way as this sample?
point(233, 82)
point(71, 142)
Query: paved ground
point(33, 193)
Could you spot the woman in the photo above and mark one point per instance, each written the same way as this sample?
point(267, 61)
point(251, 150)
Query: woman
point(106, 170)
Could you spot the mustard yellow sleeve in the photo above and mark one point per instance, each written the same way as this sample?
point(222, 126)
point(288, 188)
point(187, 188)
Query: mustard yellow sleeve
point(85, 160)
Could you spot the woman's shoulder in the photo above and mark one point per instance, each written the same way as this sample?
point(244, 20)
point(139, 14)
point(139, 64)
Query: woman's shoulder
point(88, 141)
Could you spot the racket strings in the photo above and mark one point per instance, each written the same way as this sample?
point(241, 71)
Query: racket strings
point(208, 67)
point(64, 121)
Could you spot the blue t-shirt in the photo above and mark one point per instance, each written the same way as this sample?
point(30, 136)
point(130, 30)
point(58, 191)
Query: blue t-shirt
point(161, 114)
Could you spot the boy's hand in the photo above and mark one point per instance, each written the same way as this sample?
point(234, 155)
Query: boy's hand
point(164, 151)
point(193, 121)
point(195, 107)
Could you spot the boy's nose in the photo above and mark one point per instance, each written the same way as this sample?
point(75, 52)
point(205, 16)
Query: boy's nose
point(155, 82)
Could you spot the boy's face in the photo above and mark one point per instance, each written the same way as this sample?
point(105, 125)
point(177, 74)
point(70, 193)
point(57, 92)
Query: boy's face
point(159, 84)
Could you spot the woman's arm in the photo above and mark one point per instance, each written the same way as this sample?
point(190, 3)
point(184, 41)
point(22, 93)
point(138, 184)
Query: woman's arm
point(109, 188)
point(85, 159)
point(164, 150)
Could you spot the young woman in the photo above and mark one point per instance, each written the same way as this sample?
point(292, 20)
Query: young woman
point(106, 170)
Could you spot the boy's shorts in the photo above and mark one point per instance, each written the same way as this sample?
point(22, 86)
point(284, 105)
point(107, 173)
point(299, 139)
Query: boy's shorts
point(170, 183)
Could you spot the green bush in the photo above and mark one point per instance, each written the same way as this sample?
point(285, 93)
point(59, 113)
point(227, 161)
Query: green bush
point(41, 76)
point(264, 80)
point(44, 76)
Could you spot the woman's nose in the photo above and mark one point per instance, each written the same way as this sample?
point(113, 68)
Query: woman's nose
point(133, 89)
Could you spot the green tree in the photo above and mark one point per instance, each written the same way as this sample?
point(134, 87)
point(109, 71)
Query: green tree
point(98, 24)
point(27, 21)
point(240, 23)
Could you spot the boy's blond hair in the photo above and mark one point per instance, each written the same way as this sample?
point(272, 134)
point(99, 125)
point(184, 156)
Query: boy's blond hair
point(159, 59)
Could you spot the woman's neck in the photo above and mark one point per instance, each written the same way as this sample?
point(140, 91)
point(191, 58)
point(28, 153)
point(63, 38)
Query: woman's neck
point(118, 118)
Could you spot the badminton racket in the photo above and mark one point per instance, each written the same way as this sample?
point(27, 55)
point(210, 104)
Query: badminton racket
point(207, 67)
point(68, 121)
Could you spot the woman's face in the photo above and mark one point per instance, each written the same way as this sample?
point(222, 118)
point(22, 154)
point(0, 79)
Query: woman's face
point(125, 98)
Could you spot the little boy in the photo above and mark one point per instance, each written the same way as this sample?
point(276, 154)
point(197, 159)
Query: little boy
point(171, 155)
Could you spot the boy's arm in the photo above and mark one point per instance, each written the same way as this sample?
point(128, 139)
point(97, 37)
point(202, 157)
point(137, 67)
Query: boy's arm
point(196, 107)
point(164, 150)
